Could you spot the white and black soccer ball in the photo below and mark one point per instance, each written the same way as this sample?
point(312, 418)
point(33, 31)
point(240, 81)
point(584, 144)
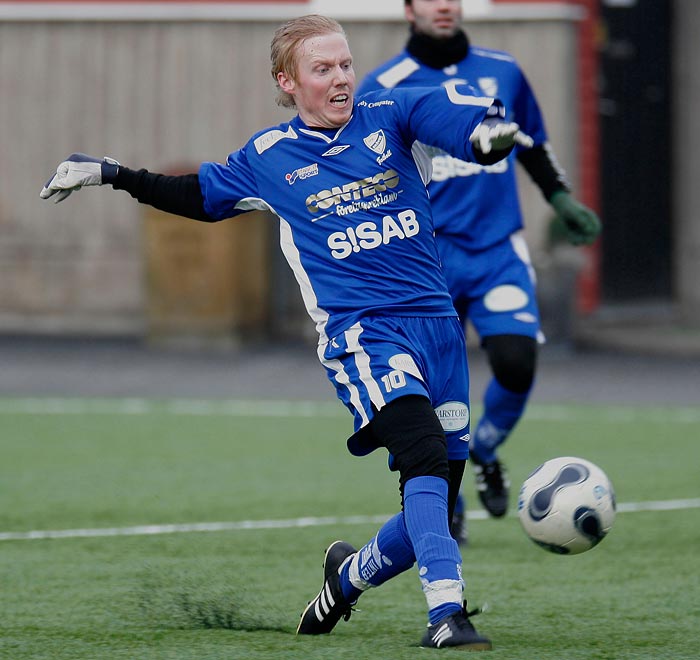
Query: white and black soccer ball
point(567, 505)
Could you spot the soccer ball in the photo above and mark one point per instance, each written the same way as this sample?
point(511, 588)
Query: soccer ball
point(567, 505)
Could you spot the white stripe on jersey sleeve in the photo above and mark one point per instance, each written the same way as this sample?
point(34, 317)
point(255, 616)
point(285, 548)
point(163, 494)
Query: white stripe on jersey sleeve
point(393, 76)
point(465, 99)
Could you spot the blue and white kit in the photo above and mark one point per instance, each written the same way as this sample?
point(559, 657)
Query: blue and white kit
point(478, 223)
point(355, 217)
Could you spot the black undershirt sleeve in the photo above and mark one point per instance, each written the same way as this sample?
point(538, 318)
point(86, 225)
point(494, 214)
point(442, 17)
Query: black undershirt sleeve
point(541, 165)
point(180, 195)
point(492, 156)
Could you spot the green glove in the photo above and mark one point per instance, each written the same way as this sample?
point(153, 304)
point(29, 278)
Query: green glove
point(581, 224)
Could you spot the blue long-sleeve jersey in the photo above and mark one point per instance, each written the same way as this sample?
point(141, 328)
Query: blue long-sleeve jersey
point(476, 206)
point(355, 219)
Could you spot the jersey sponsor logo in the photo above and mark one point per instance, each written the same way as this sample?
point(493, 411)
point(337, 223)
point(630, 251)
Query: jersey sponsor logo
point(380, 199)
point(448, 167)
point(359, 192)
point(375, 104)
point(271, 138)
point(302, 173)
point(338, 149)
point(368, 235)
point(453, 415)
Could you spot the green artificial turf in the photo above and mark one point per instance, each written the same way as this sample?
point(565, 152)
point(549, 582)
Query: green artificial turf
point(238, 593)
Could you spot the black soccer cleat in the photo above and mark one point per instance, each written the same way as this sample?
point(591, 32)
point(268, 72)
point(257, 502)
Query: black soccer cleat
point(456, 631)
point(492, 486)
point(330, 606)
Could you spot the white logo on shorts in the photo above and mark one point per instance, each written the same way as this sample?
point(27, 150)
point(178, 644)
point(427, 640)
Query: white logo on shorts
point(404, 362)
point(453, 415)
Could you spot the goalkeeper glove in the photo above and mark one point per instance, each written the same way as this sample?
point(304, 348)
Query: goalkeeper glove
point(496, 134)
point(581, 224)
point(76, 171)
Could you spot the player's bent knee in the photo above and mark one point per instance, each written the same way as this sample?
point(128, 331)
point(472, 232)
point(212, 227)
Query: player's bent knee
point(513, 359)
point(423, 457)
point(410, 430)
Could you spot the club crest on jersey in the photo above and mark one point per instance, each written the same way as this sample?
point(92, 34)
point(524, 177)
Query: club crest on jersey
point(488, 86)
point(377, 142)
point(337, 149)
point(301, 173)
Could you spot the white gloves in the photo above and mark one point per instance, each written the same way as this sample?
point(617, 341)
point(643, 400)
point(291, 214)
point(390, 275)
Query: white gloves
point(495, 134)
point(76, 171)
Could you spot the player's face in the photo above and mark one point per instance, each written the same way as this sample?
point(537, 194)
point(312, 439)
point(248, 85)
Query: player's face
point(439, 19)
point(325, 81)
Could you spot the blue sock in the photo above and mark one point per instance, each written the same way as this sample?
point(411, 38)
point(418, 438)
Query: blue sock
point(437, 553)
point(389, 553)
point(502, 411)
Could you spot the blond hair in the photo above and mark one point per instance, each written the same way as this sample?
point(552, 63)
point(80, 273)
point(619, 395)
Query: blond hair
point(284, 48)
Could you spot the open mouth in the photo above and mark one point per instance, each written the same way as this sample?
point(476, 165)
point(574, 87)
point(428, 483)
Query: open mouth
point(340, 100)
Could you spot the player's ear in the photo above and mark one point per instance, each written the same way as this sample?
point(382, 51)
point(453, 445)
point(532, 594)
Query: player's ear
point(408, 13)
point(286, 82)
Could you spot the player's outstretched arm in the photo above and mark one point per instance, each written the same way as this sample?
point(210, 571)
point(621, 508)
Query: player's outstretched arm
point(76, 171)
point(180, 195)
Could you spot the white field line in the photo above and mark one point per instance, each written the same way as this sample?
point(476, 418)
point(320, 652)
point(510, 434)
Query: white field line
point(623, 413)
point(292, 523)
point(187, 407)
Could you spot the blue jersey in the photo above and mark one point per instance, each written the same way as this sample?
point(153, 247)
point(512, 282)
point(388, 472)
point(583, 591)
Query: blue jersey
point(476, 206)
point(355, 219)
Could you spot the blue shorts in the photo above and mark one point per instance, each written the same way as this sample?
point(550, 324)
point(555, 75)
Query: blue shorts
point(380, 359)
point(493, 288)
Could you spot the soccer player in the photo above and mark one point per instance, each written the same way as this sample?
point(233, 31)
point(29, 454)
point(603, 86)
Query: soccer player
point(478, 225)
point(346, 180)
